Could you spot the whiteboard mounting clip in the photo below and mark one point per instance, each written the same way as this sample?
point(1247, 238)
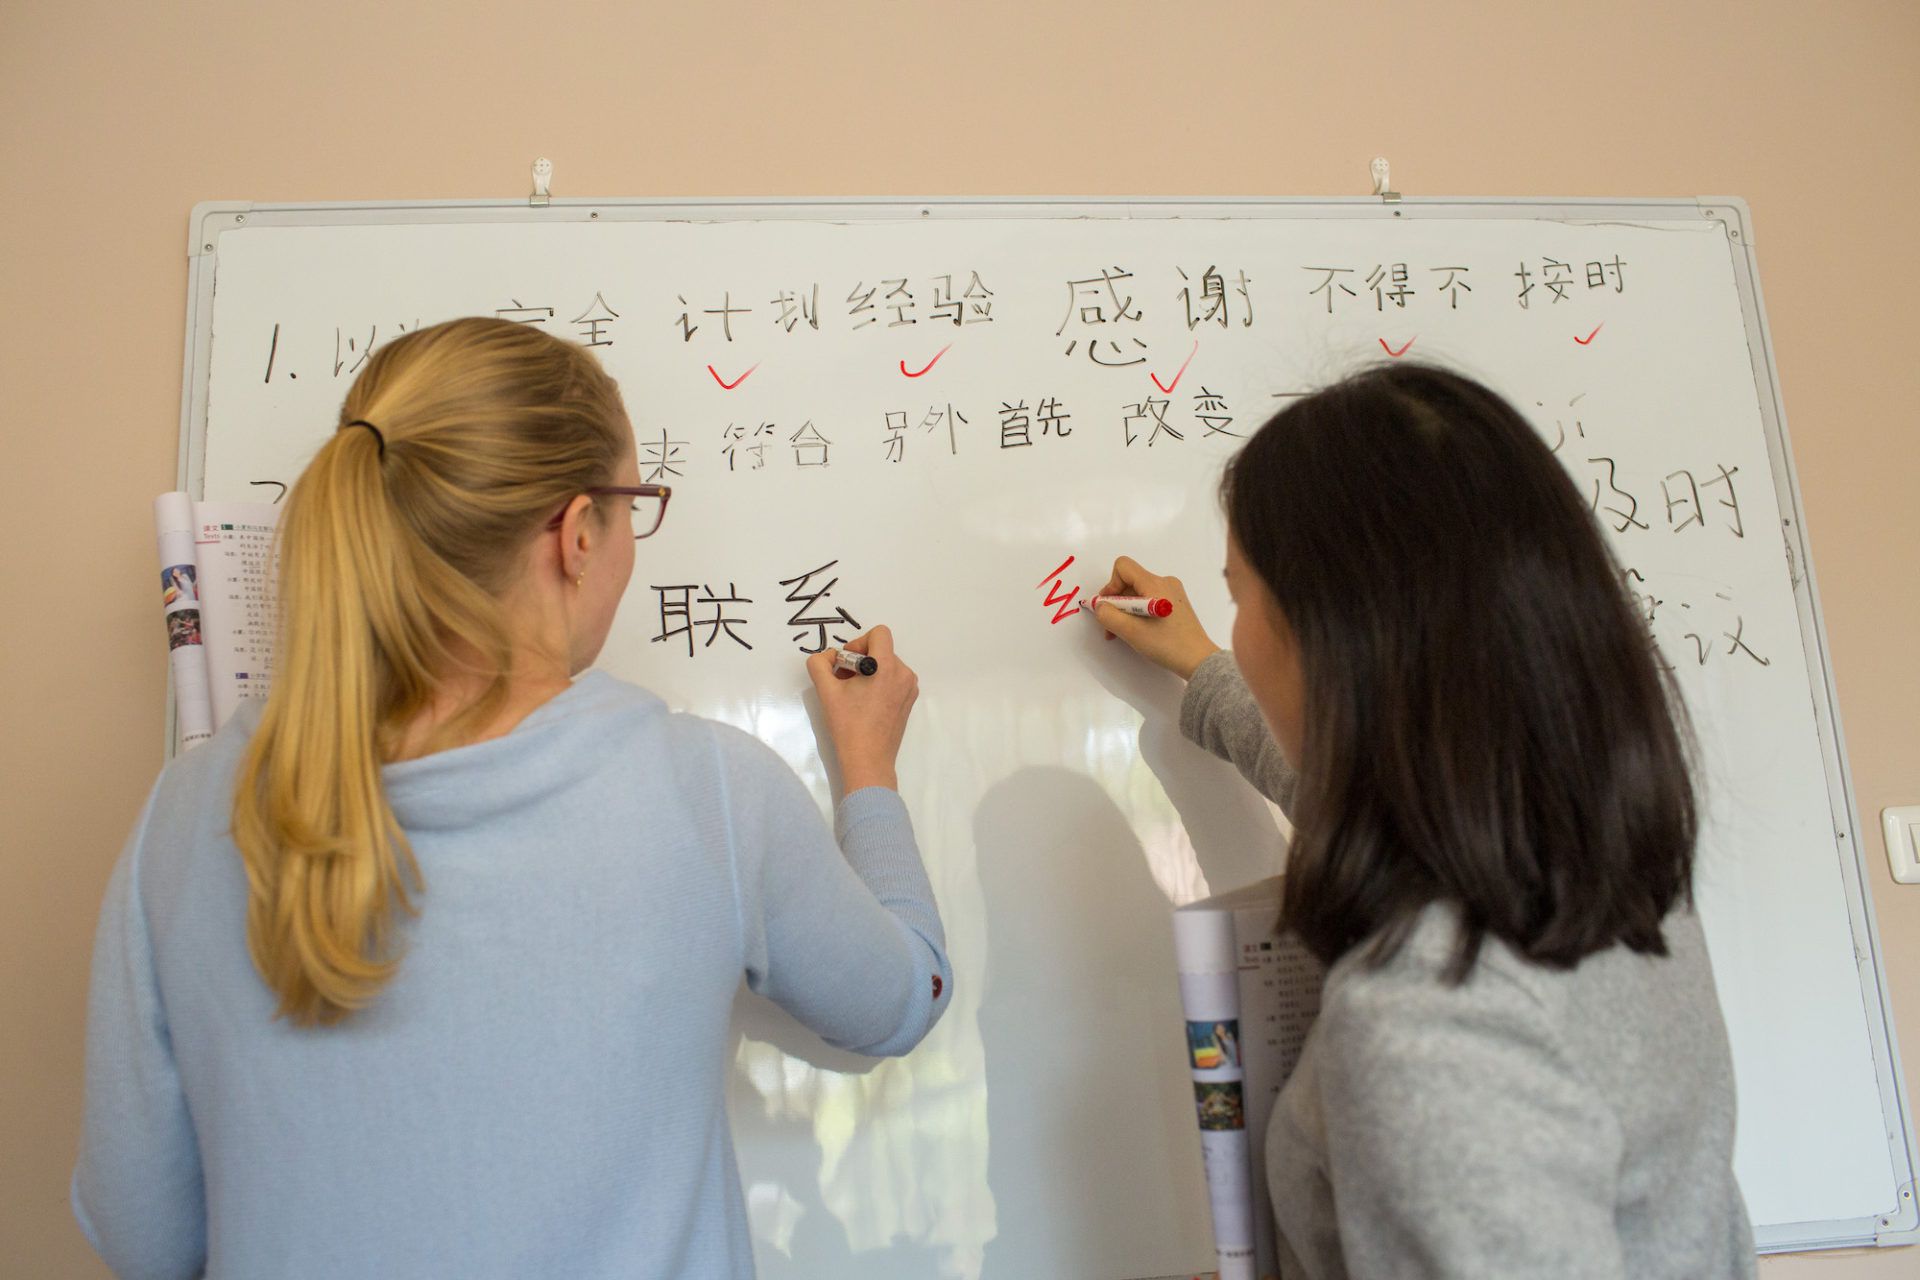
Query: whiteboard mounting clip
point(542, 183)
point(1381, 181)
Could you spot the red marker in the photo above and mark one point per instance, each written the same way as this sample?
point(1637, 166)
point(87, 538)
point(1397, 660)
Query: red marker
point(1138, 606)
point(858, 664)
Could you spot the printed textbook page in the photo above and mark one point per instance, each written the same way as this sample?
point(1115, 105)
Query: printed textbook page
point(217, 588)
point(1250, 995)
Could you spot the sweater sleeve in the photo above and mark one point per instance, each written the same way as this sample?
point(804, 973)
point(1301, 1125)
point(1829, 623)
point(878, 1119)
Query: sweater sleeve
point(839, 927)
point(1460, 1141)
point(1218, 712)
point(137, 1189)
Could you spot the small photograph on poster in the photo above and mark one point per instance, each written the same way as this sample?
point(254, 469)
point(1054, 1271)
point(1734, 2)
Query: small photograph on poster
point(183, 627)
point(178, 585)
point(1214, 1044)
point(1219, 1105)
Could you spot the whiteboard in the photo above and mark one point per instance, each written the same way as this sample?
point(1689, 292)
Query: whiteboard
point(951, 414)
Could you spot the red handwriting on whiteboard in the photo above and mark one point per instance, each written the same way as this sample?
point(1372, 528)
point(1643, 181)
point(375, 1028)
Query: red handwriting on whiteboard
point(724, 384)
point(929, 364)
point(1061, 599)
point(1166, 388)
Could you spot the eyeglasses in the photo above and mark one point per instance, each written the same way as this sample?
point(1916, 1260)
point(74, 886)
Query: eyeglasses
point(649, 505)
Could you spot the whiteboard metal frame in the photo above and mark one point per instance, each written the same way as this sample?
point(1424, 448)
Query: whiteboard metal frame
point(212, 219)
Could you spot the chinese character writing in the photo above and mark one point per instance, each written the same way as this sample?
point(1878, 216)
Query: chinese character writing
point(726, 311)
point(1454, 285)
point(525, 315)
point(594, 320)
point(658, 458)
point(1211, 409)
point(1053, 418)
point(1597, 273)
point(340, 360)
point(1731, 502)
point(1627, 517)
point(1016, 428)
point(1096, 301)
point(1682, 493)
point(809, 596)
point(1389, 284)
point(1152, 413)
point(1332, 284)
point(896, 427)
point(974, 305)
point(1560, 424)
point(676, 608)
point(1689, 496)
point(1016, 423)
point(862, 304)
point(1699, 644)
point(1213, 307)
point(796, 309)
point(1555, 276)
point(740, 440)
point(900, 302)
point(936, 416)
point(1111, 354)
point(809, 446)
point(1636, 584)
point(1739, 645)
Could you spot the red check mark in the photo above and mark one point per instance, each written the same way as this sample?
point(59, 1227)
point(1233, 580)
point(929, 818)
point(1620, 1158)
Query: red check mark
point(1167, 387)
point(1402, 351)
point(929, 365)
point(1589, 338)
point(724, 384)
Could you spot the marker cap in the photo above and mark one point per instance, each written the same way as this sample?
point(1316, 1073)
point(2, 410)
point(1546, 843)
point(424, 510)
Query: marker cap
point(1138, 606)
point(858, 663)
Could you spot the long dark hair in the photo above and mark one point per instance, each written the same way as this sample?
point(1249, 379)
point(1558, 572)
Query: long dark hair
point(1486, 721)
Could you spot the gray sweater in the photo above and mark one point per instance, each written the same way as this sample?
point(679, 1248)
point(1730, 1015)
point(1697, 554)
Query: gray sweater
point(1529, 1122)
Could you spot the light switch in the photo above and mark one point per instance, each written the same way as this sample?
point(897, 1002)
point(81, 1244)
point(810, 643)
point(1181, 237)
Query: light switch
point(1902, 829)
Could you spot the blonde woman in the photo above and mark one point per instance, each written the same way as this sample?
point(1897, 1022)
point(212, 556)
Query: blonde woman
point(425, 969)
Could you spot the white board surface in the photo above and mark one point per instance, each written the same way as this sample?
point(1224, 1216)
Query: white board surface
point(934, 412)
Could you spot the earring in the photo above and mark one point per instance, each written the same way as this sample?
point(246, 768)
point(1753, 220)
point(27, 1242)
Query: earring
point(581, 581)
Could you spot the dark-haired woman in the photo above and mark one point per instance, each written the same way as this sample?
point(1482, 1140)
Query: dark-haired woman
point(1520, 1067)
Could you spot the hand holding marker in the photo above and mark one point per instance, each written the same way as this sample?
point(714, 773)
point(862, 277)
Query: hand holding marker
point(1152, 615)
point(864, 718)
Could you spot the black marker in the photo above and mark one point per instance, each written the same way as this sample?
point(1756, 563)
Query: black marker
point(858, 664)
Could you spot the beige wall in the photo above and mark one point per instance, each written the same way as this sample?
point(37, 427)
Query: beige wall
point(116, 118)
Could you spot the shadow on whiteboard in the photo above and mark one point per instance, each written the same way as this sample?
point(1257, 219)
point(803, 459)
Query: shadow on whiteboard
point(1069, 1044)
point(1230, 827)
point(819, 1134)
point(1090, 1132)
point(798, 1236)
point(759, 1019)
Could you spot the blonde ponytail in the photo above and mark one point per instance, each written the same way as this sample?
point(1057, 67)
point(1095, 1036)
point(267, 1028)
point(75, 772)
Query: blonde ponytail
point(396, 544)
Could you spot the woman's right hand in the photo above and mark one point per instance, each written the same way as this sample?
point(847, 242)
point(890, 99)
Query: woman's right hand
point(1177, 642)
point(866, 716)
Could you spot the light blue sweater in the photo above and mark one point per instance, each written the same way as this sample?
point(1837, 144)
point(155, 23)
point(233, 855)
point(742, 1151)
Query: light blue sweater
point(539, 1092)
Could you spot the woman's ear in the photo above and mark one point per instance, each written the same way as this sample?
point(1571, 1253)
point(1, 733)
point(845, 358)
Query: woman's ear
point(579, 536)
